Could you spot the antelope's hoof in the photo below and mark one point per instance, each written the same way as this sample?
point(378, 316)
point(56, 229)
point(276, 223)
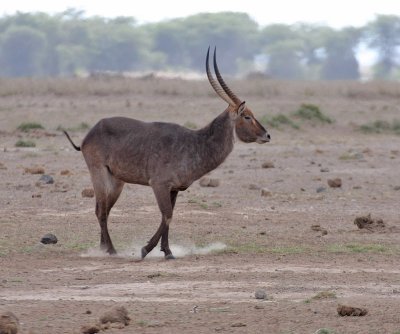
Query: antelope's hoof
point(144, 252)
point(170, 257)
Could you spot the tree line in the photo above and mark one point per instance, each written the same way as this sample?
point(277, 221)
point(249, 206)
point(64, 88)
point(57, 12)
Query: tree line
point(69, 43)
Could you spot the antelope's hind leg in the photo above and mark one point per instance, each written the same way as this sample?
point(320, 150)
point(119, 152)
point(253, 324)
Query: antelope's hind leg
point(166, 201)
point(107, 190)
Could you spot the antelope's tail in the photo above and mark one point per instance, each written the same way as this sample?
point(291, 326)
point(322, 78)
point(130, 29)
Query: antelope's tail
point(70, 140)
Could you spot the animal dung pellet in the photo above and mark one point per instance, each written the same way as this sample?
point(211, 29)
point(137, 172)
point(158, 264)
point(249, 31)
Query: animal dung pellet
point(335, 183)
point(268, 164)
point(343, 311)
point(88, 192)
point(90, 329)
point(34, 170)
point(209, 182)
point(266, 192)
point(9, 323)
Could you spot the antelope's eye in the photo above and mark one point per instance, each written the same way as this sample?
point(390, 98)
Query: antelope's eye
point(247, 117)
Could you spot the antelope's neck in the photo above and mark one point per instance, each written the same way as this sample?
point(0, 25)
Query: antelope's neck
point(217, 139)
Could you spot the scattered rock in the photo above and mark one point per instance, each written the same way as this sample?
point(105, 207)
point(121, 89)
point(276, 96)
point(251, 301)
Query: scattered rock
point(396, 188)
point(36, 195)
point(268, 164)
point(45, 179)
point(118, 314)
point(320, 189)
point(368, 223)
point(65, 172)
point(238, 324)
point(88, 192)
point(209, 182)
point(335, 183)
point(318, 228)
point(324, 170)
point(34, 170)
point(90, 329)
point(49, 238)
point(343, 311)
point(260, 294)
point(266, 192)
point(253, 186)
point(9, 323)
point(2, 166)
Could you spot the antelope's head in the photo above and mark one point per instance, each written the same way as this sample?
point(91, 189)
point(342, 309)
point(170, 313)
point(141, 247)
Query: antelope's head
point(247, 128)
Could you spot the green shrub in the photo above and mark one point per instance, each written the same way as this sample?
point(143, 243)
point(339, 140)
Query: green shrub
point(311, 112)
point(25, 127)
point(277, 121)
point(380, 126)
point(25, 143)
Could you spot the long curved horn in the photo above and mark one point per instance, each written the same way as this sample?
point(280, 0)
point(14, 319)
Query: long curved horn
point(221, 93)
point(221, 81)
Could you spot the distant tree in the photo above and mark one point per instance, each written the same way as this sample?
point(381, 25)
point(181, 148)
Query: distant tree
point(22, 51)
point(185, 40)
point(283, 48)
point(340, 62)
point(312, 50)
point(383, 35)
point(115, 45)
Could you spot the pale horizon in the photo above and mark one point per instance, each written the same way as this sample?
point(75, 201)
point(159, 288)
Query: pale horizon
point(336, 14)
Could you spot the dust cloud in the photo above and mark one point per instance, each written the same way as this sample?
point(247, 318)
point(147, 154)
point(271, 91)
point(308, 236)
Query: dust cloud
point(178, 250)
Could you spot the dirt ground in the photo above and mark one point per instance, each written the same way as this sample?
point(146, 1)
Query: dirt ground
point(230, 240)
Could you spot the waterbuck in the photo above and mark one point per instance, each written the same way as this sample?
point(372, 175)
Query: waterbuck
point(165, 156)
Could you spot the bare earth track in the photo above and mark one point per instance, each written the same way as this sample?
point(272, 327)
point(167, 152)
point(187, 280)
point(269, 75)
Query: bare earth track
point(269, 240)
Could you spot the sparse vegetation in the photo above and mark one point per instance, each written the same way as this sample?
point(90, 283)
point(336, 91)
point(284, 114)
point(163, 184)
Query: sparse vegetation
point(25, 143)
point(278, 120)
point(380, 126)
point(325, 331)
point(324, 295)
point(27, 126)
point(311, 112)
point(359, 248)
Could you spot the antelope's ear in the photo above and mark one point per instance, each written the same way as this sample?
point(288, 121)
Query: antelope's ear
point(241, 108)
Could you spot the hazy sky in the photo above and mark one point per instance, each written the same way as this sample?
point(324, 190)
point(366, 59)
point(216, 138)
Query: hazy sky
point(336, 13)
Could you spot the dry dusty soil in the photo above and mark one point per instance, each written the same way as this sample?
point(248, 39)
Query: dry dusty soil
point(298, 245)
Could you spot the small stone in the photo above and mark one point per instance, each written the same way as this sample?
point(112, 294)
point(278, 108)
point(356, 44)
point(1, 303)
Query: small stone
point(88, 192)
point(268, 164)
point(260, 294)
point(209, 182)
point(253, 186)
point(324, 170)
point(117, 314)
point(320, 189)
point(46, 179)
point(396, 188)
point(265, 192)
point(335, 183)
point(65, 172)
point(49, 238)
